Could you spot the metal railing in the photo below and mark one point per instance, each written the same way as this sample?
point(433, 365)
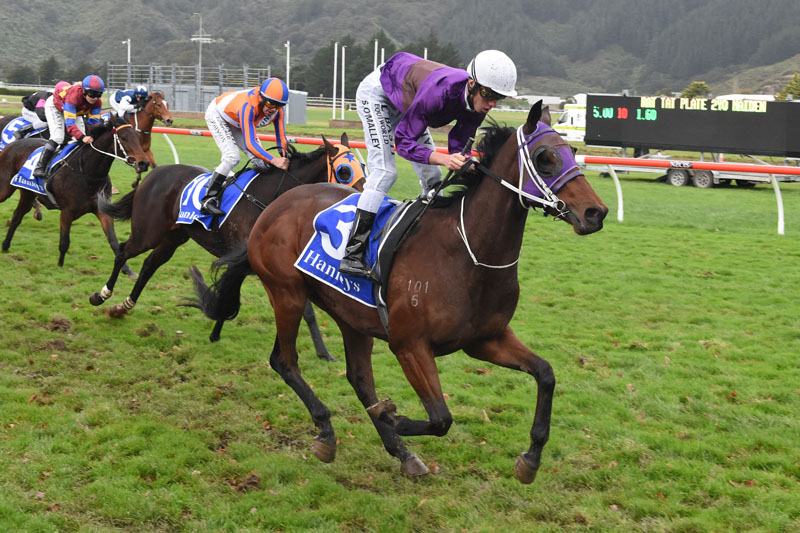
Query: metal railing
point(124, 76)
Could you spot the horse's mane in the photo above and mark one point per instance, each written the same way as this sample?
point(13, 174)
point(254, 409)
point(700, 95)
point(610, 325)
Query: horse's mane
point(493, 137)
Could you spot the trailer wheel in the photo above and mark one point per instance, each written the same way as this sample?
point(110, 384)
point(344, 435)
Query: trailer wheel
point(677, 177)
point(744, 184)
point(703, 179)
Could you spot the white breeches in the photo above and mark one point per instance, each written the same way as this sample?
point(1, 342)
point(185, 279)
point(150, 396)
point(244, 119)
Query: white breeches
point(380, 118)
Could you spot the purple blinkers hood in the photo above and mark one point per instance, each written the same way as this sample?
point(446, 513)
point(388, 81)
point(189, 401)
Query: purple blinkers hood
point(530, 147)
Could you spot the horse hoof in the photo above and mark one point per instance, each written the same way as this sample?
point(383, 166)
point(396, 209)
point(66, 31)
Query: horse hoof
point(95, 299)
point(325, 452)
point(413, 467)
point(37, 215)
point(525, 469)
point(117, 311)
point(327, 357)
point(133, 276)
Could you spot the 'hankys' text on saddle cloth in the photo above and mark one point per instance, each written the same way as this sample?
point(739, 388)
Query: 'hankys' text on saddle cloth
point(323, 253)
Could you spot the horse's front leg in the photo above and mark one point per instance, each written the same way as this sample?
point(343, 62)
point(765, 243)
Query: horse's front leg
point(23, 206)
point(108, 228)
point(508, 351)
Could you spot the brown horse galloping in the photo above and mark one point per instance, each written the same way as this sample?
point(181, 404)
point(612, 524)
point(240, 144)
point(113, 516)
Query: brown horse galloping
point(156, 108)
point(153, 210)
point(453, 285)
point(77, 182)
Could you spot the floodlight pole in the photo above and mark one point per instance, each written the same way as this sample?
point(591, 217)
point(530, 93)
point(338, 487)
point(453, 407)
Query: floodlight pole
point(343, 50)
point(335, 65)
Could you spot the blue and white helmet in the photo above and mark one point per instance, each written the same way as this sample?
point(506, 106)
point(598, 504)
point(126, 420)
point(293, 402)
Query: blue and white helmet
point(140, 91)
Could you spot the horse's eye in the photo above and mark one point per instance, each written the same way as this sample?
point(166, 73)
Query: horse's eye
point(546, 161)
point(344, 173)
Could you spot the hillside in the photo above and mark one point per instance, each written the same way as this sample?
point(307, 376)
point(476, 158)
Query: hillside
point(560, 48)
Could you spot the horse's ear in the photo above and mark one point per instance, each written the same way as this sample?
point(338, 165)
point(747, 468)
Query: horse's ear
point(331, 149)
point(546, 115)
point(534, 116)
point(345, 140)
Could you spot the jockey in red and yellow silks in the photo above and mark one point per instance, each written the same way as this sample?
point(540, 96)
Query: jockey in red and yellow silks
point(232, 119)
point(65, 111)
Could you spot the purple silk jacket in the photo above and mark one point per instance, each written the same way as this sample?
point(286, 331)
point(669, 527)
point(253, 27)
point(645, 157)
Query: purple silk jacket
point(428, 94)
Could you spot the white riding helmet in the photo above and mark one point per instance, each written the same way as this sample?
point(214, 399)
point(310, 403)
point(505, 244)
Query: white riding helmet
point(495, 70)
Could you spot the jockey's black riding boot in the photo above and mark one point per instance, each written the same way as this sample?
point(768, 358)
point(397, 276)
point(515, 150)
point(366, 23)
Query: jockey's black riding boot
point(23, 131)
point(353, 262)
point(209, 205)
point(44, 159)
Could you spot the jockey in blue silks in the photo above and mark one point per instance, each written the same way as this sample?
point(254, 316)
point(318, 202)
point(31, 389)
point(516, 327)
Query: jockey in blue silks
point(127, 101)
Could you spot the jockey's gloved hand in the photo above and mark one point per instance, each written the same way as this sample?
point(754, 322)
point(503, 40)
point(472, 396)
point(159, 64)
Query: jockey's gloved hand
point(259, 165)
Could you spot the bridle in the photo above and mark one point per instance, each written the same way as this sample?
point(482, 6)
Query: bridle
point(154, 116)
point(129, 160)
point(536, 190)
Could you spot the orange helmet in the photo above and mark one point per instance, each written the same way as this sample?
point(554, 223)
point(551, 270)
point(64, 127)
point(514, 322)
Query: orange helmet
point(274, 91)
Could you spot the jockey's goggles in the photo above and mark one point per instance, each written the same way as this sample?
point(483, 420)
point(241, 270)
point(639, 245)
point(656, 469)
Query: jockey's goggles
point(489, 94)
point(93, 94)
point(272, 104)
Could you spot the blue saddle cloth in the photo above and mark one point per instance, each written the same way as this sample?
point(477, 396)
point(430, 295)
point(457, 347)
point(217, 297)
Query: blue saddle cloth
point(323, 253)
point(196, 190)
point(24, 180)
point(7, 135)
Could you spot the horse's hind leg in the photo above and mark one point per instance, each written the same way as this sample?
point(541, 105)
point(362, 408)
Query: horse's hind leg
point(108, 228)
point(288, 306)
point(23, 206)
point(358, 354)
point(508, 351)
point(316, 335)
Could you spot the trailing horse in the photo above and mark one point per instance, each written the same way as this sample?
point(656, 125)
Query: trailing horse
point(154, 207)
point(453, 285)
point(77, 182)
point(156, 108)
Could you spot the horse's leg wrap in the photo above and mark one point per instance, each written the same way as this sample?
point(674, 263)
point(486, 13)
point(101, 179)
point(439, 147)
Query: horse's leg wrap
point(105, 293)
point(128, 304)
point(384, 409)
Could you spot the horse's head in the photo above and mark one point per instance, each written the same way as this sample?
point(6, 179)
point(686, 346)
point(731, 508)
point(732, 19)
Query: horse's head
point(343, 165)
point(126, 140)
point(550, 176)
point(158, 106)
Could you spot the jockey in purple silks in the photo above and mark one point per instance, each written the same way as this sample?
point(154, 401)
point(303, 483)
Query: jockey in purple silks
point(397, 103)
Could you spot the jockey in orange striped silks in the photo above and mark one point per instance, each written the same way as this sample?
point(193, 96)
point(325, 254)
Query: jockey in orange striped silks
point(232, 119)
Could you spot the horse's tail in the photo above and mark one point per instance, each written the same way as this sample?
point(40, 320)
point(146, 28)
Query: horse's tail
point(121, 210)
point(221, 301)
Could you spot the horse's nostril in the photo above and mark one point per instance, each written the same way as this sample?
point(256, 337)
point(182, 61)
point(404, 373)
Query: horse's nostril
point(595, 215)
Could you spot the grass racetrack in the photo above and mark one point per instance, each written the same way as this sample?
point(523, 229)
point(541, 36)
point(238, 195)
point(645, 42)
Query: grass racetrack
point(674, 337)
